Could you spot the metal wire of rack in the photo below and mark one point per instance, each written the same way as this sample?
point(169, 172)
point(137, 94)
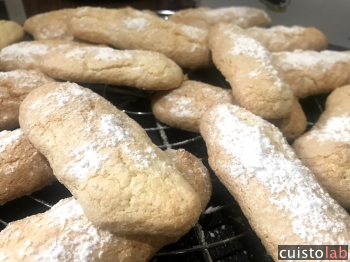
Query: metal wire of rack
point(222, 233)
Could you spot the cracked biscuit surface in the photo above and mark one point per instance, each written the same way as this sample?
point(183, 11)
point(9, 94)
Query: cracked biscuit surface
point(325, 149)
point(10, 32)
point(123, 181)
point(247, 66)
point(23, 169)
point(137, 68)
point(14, 87)
point(127, 28)
point(280, 197)
point(65, 234)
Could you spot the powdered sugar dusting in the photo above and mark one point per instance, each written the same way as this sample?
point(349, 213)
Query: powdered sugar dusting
point(181, 106)
point(24, 51)
point(78, 52)
point(86, 239)
point(9, 138)
point(309, 59)
point(293, 30)
point(57, 99)
point(99, 53)
point(138, 23)
point(241, 136)
point(247, 46)
point(244, 45)
point(109, 54)
point(112, 130)
point(142, 158)
point(86, 159)
point(25, 78)
point(193, 32)
point(335, 129)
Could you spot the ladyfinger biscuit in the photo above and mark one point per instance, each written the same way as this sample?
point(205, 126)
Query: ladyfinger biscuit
point(183, 107)
point(65, 234)
point(311, 73)
point(50, 25)
point(204, 17)
point(123, 181)
point(14, 87)
point(247, 66)
point(27, 55)
point(294, 125)
point(10, 32)
point(128, 28)
point(325, 149)
point(283, 38)
point(280, 197)
point(137, 68)
point(23, 169)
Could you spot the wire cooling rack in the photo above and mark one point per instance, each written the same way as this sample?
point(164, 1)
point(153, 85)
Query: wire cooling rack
point(222, 232)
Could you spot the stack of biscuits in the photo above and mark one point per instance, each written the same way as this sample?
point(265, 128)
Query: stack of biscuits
point(129, 198)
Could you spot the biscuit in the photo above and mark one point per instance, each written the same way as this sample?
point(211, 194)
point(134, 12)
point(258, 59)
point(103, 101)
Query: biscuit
point(23, 169)
point(183, 107)
point(279, 196)
point(51, 25)
point(27, 55)
point(14, 87)
point(128, 28)
point(10, 32)
point(195, 173)
point(325, 149)
point(283, 38)
point(124, 182)
point(247, 66)
point(65, 234)
point(311, 73)
point(204, 17)
point(137, 68)
point(294, 125)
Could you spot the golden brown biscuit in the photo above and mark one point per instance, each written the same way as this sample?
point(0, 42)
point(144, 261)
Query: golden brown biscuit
point(311, 73)
point(183, 107)
point(65, 234)
point(294, 125)
point(195, 173)
point(27, 55)
point(123, 181)
point(51, 25)
point(280, 197)
point(247, 66)
point(283, 38)
point(325, 149)
point(14, 87)
point(23, 169)
point(10, 32)
point(204, 17)
point(128, 28)
point(137, 68)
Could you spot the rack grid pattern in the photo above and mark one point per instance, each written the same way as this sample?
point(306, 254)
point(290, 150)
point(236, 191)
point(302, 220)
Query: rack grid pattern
point(222, 233)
